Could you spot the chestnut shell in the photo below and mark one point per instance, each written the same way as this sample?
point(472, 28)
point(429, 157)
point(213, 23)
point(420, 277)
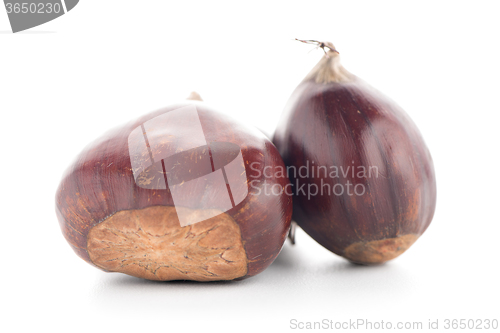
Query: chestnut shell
point(101, 183)
point(349, 123)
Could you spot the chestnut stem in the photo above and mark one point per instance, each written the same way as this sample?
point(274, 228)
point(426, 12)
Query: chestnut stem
point(291, 233)
point(319, 44)
point(328, 69)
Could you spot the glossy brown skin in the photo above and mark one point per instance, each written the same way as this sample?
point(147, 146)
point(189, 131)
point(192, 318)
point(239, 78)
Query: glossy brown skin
point(352, 124)
point(100, 183)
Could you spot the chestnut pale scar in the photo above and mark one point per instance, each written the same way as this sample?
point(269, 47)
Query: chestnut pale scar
point(150, 243)
point(379, 251)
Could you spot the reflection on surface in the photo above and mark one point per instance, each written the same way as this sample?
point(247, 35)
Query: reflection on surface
point(304, 278)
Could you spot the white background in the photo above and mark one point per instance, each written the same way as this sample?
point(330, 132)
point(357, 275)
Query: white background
point(64, 83)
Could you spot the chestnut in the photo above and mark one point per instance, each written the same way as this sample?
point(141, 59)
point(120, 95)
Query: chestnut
point(168, 197)
point(363, 178)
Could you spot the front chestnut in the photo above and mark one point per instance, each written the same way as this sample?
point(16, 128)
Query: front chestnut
point(168, 197)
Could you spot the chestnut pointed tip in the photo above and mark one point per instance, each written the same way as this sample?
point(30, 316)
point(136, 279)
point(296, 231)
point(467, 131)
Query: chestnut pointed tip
point(194, 96)
point(328, 45)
